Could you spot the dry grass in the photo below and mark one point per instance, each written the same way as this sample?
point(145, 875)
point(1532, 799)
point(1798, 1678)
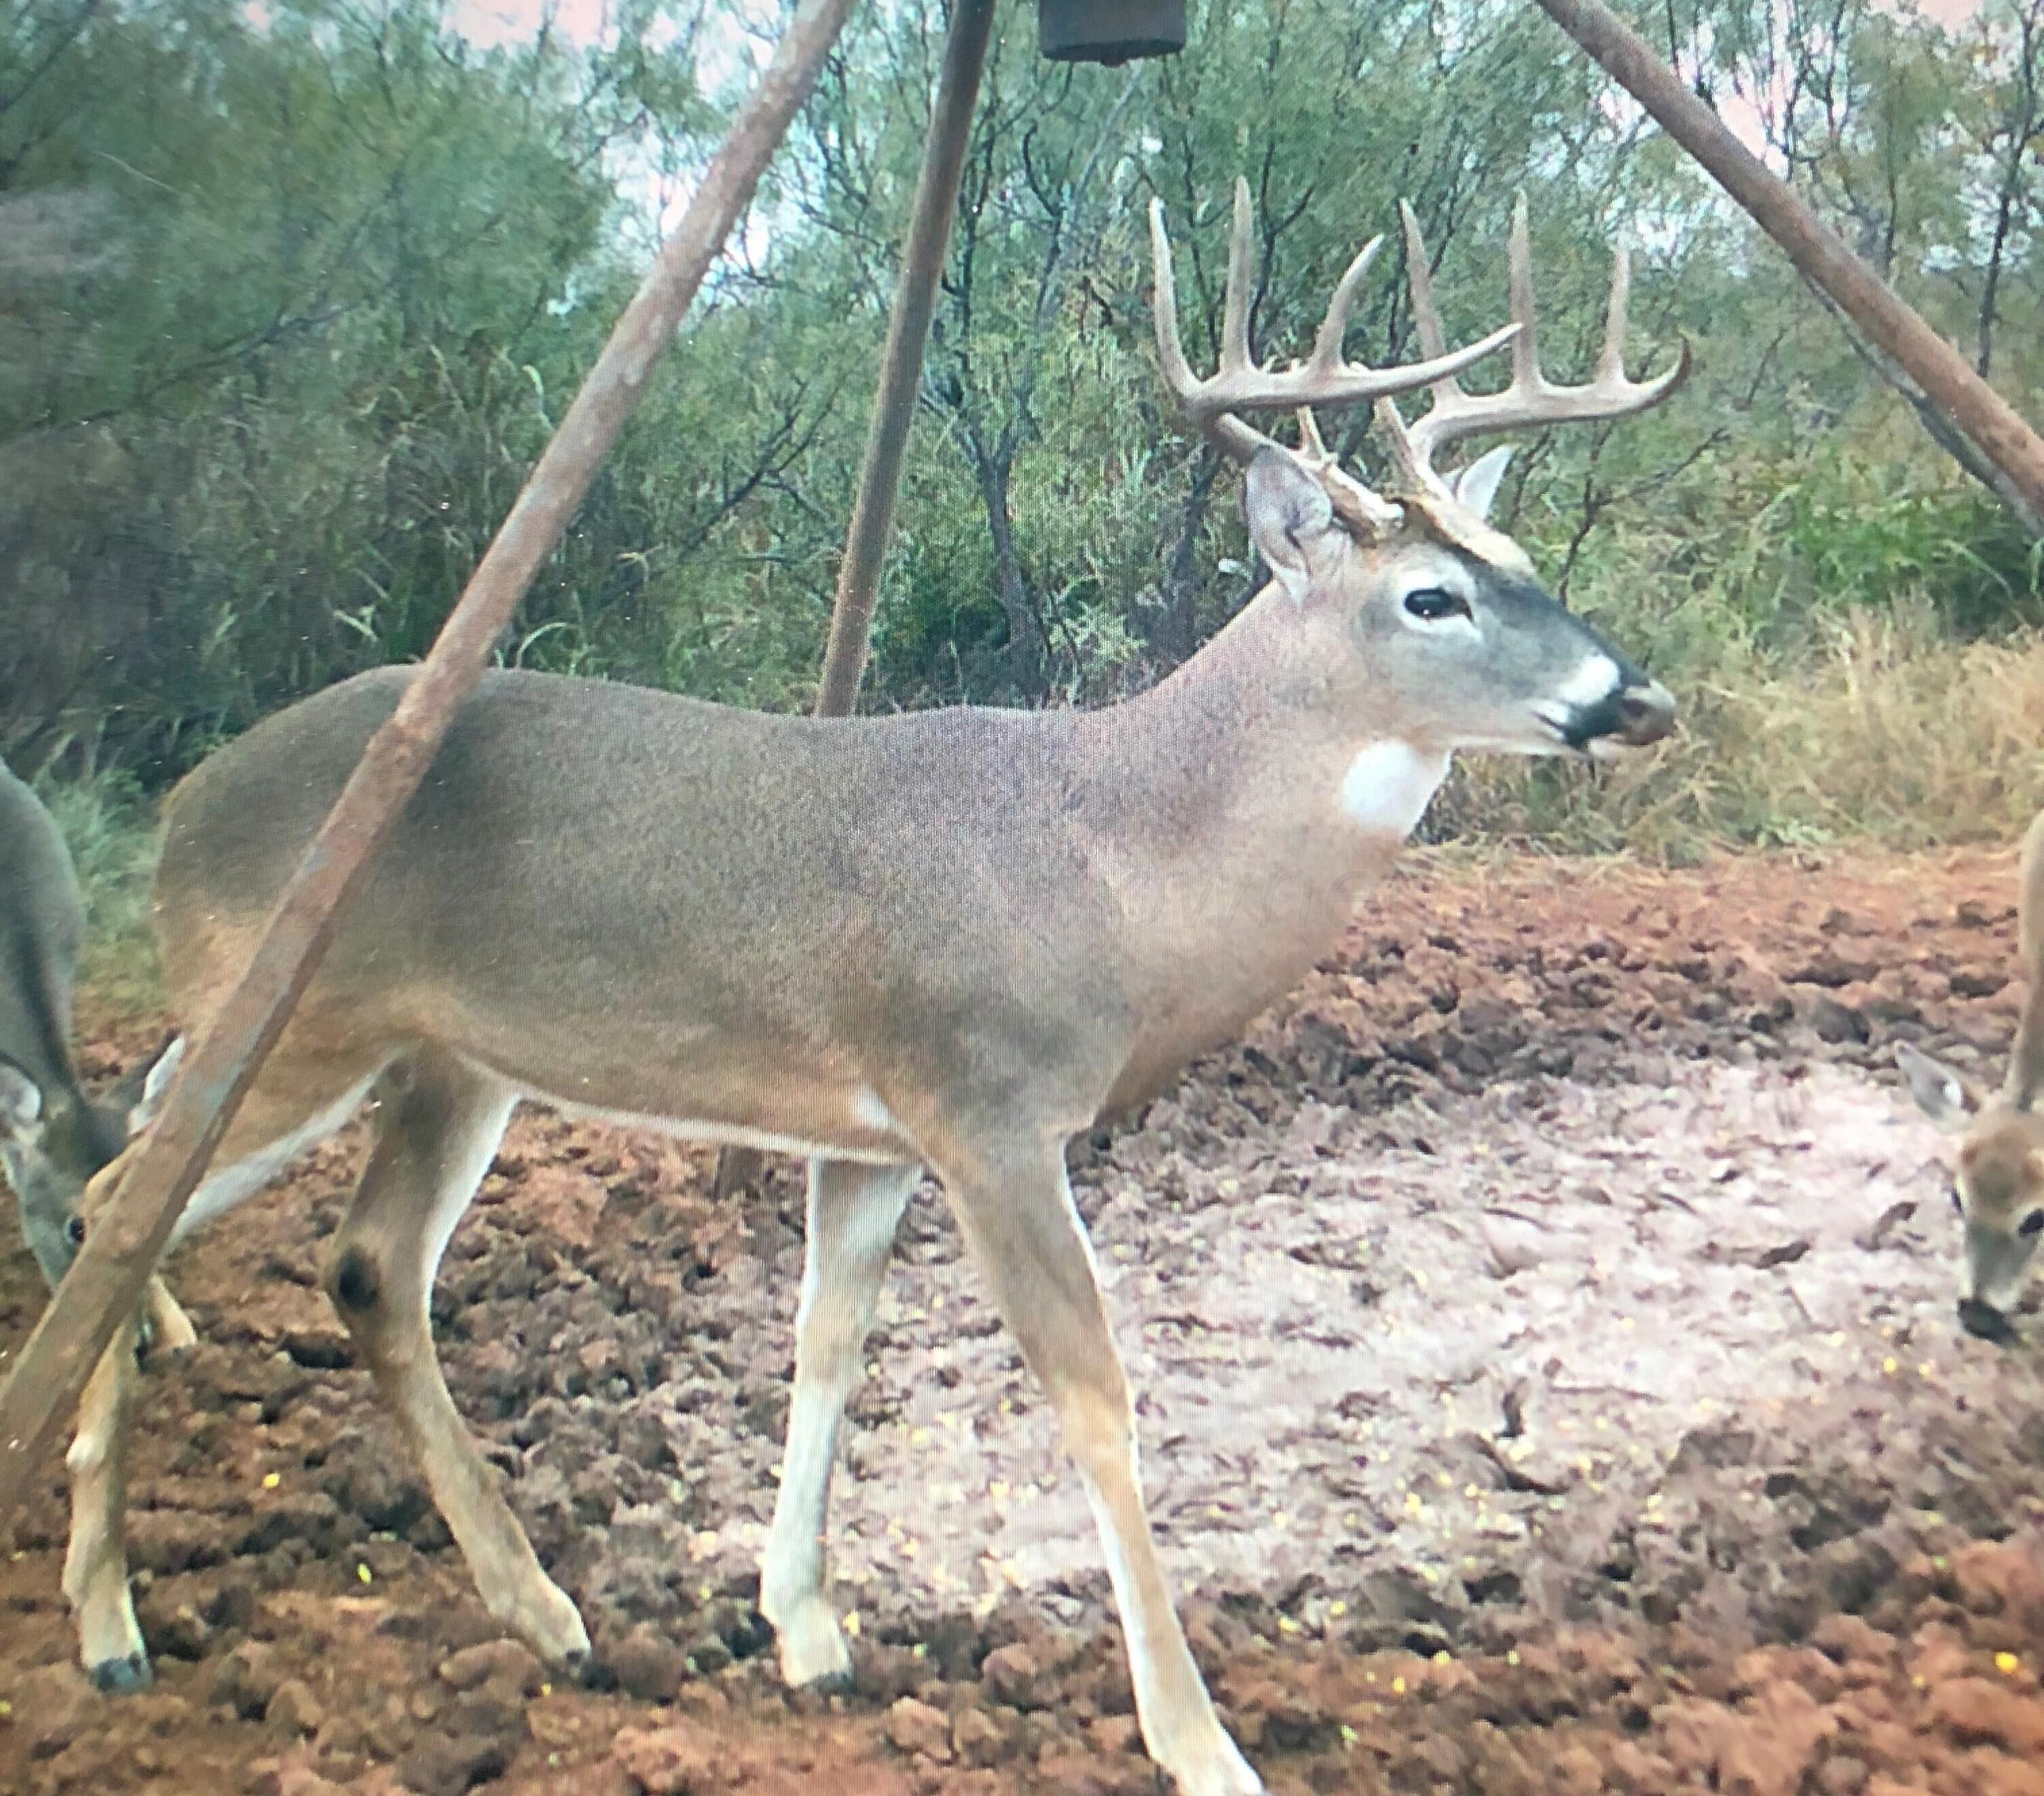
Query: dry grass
point(1886, 732)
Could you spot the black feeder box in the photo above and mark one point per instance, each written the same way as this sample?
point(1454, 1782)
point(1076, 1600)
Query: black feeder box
point(1112, 32)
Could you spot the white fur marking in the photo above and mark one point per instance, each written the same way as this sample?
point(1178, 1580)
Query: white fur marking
point(721, 1134)
point(1596, 680)
point(236, 1183)
point(869, 1112)
point(1388, 786)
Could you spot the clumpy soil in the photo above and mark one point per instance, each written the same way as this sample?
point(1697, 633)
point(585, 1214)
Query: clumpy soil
point(1550, 1382)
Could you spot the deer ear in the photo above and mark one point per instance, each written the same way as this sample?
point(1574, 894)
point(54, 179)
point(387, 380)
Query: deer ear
point(1290, 519)
point(20, 1101)
point(156, 1087)
point(1942, 1094)
point(1476, 487)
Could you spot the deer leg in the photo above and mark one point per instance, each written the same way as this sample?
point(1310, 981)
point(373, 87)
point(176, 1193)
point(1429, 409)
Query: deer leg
point(95, 1573)
point(438, 1127)
point(170, 1328)
point(853, 1210)
point(1016, 1211)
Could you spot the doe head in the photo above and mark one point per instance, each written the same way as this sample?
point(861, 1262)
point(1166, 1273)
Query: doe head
point(52, 1144)
point(1997, 1186)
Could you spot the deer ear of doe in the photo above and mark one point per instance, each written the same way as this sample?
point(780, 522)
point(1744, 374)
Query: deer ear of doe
point(2026, 1059)
point(1944, 1096)
point(155, 1086)
point(21, 1100)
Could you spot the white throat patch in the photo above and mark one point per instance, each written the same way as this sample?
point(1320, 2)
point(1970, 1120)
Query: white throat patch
point(1388, 786)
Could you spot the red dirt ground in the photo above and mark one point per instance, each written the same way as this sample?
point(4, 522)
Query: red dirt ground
point(1545, 1323)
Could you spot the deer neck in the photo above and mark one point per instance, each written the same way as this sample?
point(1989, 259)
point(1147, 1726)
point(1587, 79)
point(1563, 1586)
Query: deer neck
point(1248, 802)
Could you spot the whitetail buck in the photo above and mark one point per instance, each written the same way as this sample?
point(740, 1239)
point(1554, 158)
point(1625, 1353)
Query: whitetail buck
point(950, 941)
point(1999, 1186)
point(53, 1137)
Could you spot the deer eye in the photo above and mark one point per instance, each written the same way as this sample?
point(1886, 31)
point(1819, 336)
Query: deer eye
point(1430, 604)
point(75, 1231)
point(2032, 1224)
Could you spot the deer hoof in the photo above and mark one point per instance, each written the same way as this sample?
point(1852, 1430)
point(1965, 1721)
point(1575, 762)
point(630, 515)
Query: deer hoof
point(813, 1655)
point(123, 1676)
point(547, 1620)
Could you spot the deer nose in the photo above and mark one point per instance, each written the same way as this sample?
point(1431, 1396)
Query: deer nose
point(1647, 712)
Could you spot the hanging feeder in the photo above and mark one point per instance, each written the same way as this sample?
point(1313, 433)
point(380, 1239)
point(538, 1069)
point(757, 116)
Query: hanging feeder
point(1112, 32)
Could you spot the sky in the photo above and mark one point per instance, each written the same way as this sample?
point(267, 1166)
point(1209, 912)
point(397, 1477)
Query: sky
point(502, 21)
point(489, 22)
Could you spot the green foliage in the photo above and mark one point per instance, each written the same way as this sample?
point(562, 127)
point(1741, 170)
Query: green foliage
point(108, 824)
point(291, 296)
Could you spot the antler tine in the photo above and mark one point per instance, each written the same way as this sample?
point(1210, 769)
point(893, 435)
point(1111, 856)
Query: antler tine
point(1519, 259)
point(1327, 344)
point(1412, 466)
point(1225, 431)
point(1170, 349)
point(1405, 456)
point(1239, 384)
point(1531, 399)
point(1310, 439)
point(1234, 311)
point(1420, 279)
point(1610, 359)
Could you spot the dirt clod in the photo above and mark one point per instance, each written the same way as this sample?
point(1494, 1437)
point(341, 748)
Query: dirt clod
point(249, 1677)
point(1976, 1711)
point(650, 1666)
point(673, 1761)
point(505, 1663)
point(916, 1728)
point(294, 1711)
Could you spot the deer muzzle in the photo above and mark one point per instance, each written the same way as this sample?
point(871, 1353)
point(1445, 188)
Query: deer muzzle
point(1634, 713)
point(1646, 712)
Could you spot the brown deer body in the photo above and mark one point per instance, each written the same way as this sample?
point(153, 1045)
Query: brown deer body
point(948, 941)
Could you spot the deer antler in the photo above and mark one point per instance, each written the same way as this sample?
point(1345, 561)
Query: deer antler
point(1325, 378)
point(1531, 399)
